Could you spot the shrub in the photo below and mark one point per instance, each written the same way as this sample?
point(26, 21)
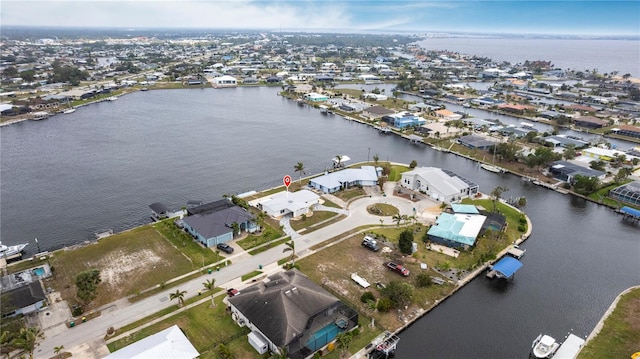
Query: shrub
point(522, 228)
point(523, 220)
point(224, 352)
point(77, 310)
point(384, 305)
point(367, 296)
point(423, 280)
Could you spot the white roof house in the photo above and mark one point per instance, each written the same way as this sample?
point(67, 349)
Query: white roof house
point(170, 343)
point(442, 185)
point(283, 203)
point(335, 181)
point(224, 81)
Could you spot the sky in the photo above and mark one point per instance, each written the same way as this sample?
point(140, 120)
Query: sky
point(486, 16)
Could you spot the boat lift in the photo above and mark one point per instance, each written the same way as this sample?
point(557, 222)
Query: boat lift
point(385, 348)
point(505, 268)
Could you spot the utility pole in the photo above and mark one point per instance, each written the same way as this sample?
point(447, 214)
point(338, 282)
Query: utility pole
point(368, 153)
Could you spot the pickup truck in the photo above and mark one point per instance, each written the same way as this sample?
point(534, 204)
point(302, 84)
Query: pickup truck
point(370, 243)
point(392, 266)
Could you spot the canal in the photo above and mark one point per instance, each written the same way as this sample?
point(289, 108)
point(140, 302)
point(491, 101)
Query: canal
point(69, 176)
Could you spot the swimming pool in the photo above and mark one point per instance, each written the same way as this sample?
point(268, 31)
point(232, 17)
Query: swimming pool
point(39, 271)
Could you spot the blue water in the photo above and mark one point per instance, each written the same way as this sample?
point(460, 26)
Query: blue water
point(39, 271)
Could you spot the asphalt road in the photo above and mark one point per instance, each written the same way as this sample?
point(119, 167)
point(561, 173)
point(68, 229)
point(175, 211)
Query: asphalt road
point(87, 339)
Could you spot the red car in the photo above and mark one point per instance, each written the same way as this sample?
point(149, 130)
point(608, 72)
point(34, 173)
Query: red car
point(232, 292)
point(398, 269)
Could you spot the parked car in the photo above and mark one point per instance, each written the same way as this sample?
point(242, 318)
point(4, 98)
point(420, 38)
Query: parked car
point(232, 292)
point(398, 269)
point(370, 243)
point(225, 248)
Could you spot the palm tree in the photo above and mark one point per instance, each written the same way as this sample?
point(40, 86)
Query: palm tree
point(291, 246)
point(299, 167)
point(376, 158)
point(339, 159)
point(496, 193)
point(58, 349)
point(28, 339)
point(179, 295)
point(397, 218)
point(210, 285)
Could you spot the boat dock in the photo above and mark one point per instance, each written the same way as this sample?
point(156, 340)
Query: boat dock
point(570, 347)
point(516, 252)
point(104, 234)
point(504, 268)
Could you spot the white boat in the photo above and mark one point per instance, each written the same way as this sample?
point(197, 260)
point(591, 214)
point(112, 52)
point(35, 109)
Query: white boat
point(40, 115)
point(112, 98)
point(8, 251)
point(544, 346)
point(492, 168)
point(69, 110)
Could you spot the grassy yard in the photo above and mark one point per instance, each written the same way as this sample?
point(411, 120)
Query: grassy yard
point(267, 235)
point(620, 334)
point(206, 328)
point(396, 173)
point(308, 221)
point(129, 262)
point(350, 193)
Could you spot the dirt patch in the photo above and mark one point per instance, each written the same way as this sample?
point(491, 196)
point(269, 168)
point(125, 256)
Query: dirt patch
point(120, 266)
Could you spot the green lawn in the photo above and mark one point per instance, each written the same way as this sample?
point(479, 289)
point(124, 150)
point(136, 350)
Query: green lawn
point(206, 328)
point(268, 234)
point(317, 217)
point(396, 173)
point(620, 335)
point(187, 245)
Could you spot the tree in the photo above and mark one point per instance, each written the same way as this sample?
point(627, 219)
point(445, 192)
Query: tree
point(376, 158)
point(400, 293)
point(344, 339)
point(405, 242)
point(397, 218)
point(58, 349)
point(496, 193)
point(299, 167)
point(291, 246)
point(28, 339)
point(585, 185)
point(338, 160)
point(210, 285)
point(179, 295)
point(622, 174)
point(597, 165)
point(570, 152)
point(413, 164)
point(87, 284)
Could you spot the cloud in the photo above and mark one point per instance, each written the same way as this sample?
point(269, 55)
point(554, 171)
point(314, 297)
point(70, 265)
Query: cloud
point(203, 14)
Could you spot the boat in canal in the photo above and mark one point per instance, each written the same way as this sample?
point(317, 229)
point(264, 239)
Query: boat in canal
point(544, 347)
point(10, 251)
point(491, 168)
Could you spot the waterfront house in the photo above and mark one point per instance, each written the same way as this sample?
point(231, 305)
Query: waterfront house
point(224, 81)
point(627, 130)
point(168, 343)
point(448, 115)
point(441, 185)
point(290, 311)
point(335, 181)
point(376, 112)
point(287, 203)
point(628, 193)
point(213, 223)
point(315, 97)
point(590, 122)
point(567, 171)
point(564, 141)
point(458, 230)
point(605, 154)
point(24, 300)
point(475, 142)
point(406, 119)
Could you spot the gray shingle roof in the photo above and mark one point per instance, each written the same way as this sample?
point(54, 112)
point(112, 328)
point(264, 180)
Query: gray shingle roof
point(282, 307)
point(217, 223)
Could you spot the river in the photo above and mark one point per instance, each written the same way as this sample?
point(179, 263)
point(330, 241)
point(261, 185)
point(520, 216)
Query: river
point(69, 176)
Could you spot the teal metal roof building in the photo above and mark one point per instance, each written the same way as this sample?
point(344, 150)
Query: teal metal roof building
point(456, 230)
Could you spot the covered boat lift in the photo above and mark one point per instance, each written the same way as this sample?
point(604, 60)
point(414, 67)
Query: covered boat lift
point(505, 268)
point(629, 213)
